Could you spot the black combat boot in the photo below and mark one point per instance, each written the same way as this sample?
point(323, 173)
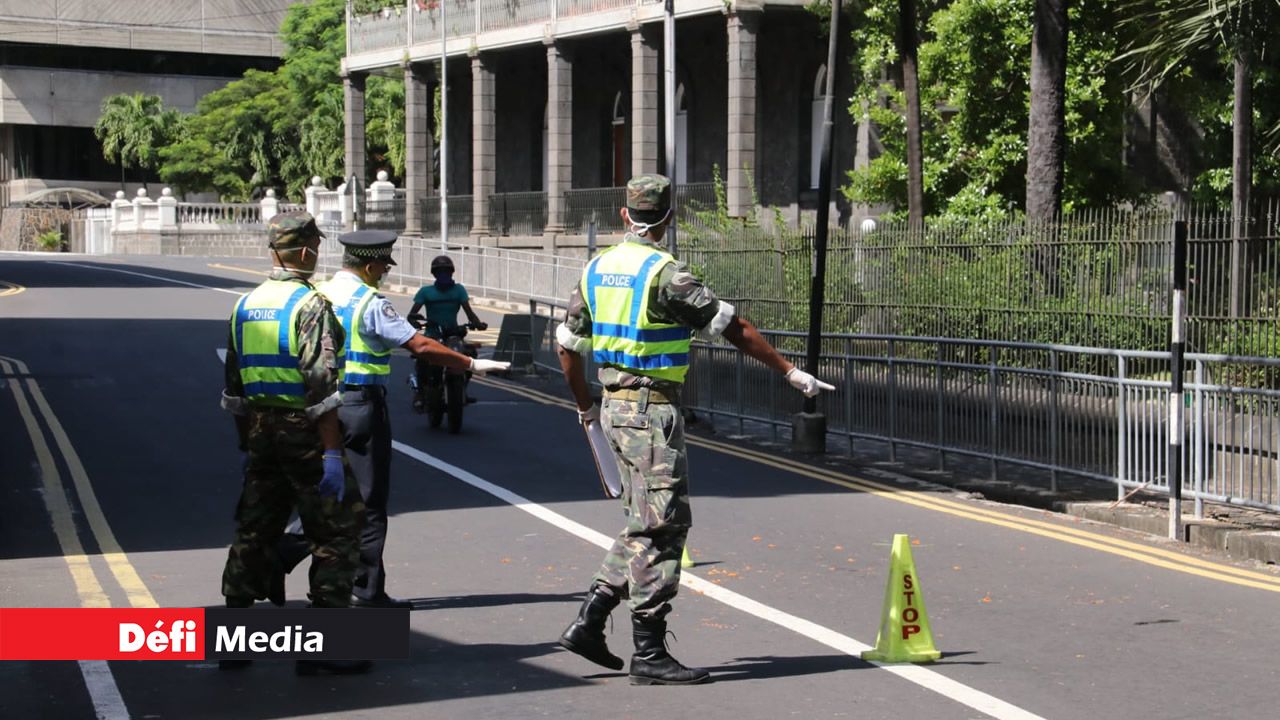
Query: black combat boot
point(585, 636)
point(652, 664)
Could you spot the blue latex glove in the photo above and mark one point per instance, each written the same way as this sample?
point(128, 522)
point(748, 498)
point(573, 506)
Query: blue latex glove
point(334, 481)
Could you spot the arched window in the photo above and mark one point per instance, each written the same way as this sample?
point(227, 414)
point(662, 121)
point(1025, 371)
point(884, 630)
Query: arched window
point(682, 135)
point(619, 129)
point(815, 126)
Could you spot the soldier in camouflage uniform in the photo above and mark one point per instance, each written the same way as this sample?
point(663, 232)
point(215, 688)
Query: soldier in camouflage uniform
point(636, 311)
point(284, 354)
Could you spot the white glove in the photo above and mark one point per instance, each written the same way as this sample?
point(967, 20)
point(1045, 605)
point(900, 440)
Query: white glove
point(590, 415)
point(480, 367)
point(806, 383)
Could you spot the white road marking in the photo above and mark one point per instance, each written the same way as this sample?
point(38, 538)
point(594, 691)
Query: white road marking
point(222, 355)
point(107, 703)
point(237, 293)
point(921, 676)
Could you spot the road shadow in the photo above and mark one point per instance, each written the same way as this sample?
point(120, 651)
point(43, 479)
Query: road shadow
point(774, 666)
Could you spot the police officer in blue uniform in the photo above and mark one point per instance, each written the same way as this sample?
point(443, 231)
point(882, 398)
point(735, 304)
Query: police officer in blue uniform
point(373, 329)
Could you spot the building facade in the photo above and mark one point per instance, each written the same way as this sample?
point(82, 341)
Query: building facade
point(553, 104)
point(59, 61)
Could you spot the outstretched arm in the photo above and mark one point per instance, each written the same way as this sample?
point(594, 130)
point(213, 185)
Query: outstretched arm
point(744, 336)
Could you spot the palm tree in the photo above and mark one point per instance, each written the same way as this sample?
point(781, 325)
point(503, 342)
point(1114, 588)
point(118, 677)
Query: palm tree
point(908, 40)
point(1046, 130)
point(133, 128)
point(1169, 34)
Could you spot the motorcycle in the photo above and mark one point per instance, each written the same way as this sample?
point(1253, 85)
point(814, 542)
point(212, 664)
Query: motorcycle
point(439, 392)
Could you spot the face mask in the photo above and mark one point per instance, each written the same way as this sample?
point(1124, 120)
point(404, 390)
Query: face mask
point(444, 282)
point(643, 228)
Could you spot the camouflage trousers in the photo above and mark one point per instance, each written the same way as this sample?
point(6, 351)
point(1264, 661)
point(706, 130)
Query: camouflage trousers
point(644, 563)
point(284, 473)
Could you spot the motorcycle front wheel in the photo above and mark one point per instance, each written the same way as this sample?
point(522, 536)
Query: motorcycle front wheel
point(455, 389)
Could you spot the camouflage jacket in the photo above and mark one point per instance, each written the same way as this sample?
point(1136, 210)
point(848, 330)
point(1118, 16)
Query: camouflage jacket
point(677, 297)
point(320, 340)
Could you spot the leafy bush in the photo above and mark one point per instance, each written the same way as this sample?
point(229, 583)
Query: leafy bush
point(50, 240)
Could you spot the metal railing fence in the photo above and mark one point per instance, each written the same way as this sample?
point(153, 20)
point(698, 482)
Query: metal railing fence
point(1012, 404)
point(384, 215)
point(518, 213)
point(1099, 279)
point(460, 215)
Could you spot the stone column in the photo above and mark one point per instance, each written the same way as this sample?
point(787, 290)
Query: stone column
point(743, 25)
point(484, 155)
point(353, 135)
point(417, 147)
point(559, 135)
point(645, 73)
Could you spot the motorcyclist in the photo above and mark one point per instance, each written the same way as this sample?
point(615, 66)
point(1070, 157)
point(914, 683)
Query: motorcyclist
point(442, 300)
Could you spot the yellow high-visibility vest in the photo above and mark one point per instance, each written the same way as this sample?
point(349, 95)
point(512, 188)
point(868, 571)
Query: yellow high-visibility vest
point(616, 287)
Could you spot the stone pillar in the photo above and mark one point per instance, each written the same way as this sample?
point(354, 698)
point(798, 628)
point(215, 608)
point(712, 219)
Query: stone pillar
point(484, 155)
point(121, 212)
point(142, 216)
point(382, 190)
point(417, 147)
point(313, 202)
point(169, 208)
point(353, 100)
point(645, 73)
point(559, 135)
point(743, 25)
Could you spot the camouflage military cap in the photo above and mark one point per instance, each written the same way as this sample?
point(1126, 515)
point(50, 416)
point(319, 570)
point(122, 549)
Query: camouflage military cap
point(651, 192)
point(291, 230)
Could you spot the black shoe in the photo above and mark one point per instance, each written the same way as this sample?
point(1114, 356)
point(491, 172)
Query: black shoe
point(276, 592)
point(237, 664)
point(380, 601)
point(585, 635)
point(652, 664)
point(333, 667)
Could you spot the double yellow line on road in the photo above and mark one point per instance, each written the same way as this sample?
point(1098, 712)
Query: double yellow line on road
point(58, 502)
point(10, 289)
point(1158, 557)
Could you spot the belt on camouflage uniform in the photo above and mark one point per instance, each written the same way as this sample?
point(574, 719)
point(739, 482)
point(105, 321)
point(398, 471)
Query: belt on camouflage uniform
point(642, 395)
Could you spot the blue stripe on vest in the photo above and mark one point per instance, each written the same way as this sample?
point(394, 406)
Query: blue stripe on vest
point(642, 287)
point(368, 358)
point(239, 323)
point(641, 362)
point(364, 379)
point(268, 361)
point(285, 325)
point(274, 388)
point(631, 333)
point(347, 312)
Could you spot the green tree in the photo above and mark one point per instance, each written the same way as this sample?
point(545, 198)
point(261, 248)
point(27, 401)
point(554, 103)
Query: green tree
point(278, 129)
point(133, 129)
point(1172, 35)
point(974, 66)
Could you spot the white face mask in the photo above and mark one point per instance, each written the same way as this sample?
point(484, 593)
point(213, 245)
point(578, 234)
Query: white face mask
point(642, 228)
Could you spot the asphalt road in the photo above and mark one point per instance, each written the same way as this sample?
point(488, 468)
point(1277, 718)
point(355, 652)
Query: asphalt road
point(115, 448)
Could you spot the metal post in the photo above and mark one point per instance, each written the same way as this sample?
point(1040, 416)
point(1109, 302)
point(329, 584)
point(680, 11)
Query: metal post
point(942, 422)
point(1177, 417)
point(810, 426)
point(444, 127)
point(993, 419)
point(893, 406)
point(1054, 422)
point(669, 72)
point(1122, 427)
point(1197, 432)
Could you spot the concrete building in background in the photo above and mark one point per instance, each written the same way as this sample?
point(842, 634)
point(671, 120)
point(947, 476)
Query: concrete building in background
point(553, 104)
point(59, 60)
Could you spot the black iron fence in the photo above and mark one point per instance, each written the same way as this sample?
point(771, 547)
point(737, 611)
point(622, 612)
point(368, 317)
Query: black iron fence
point(518, 213)
point(460, 215)
point(384, 215)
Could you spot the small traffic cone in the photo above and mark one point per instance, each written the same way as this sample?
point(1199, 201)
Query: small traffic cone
point(686, 562)
point(904, 625)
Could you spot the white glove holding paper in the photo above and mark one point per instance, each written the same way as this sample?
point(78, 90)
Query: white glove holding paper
point(806, 383)
point(480, 367)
